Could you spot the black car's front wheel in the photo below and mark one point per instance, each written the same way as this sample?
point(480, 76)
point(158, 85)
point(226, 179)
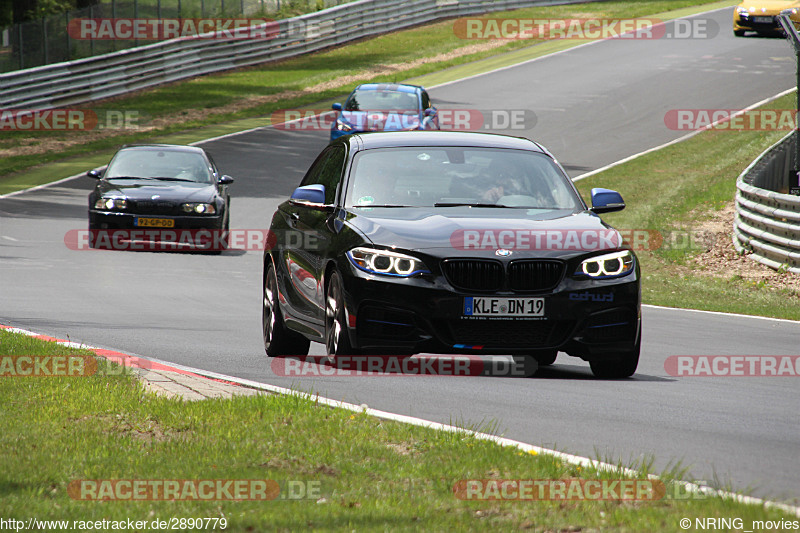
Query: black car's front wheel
point(622, 367)
point(278, 340)
point(337, 341)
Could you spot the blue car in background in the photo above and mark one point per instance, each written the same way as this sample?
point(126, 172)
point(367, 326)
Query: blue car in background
point(385, 107)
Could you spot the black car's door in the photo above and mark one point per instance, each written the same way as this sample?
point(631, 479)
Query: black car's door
point(308, 240)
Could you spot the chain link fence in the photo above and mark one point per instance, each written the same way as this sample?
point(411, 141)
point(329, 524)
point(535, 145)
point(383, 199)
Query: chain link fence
point(49, 39)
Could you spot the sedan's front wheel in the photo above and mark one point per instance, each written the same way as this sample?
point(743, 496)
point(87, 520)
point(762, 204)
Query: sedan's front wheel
point(337, 341)
point(278, 340)
point(622, 367)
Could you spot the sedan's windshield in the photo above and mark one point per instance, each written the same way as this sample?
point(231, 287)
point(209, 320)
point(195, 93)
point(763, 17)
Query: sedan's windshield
point(382, 100)
point(445, 177)
point(165, 165)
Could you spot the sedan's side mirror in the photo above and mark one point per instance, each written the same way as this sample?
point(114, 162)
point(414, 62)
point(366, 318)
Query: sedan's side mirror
point(336, 107)
point(606, 201)
point(225, 180)
point(309, 196)
point(94, 174)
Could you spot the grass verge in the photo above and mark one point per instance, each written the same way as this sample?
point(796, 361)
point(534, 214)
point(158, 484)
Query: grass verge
point(225, 103)
point(366, 473)
point(675, 191)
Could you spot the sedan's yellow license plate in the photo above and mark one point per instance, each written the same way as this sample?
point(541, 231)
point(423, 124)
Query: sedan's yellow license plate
point(480, 306)
point(155, 222)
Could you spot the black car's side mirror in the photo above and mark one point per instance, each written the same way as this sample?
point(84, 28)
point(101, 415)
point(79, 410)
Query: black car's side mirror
point(94, 174)
point(312, 196)
point(225, 180)
point(606, 201)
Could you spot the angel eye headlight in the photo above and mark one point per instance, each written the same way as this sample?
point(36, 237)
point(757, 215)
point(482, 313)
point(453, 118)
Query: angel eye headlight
point(386, 262)
point(110, 204)
point(606, 266)
point(199, 208)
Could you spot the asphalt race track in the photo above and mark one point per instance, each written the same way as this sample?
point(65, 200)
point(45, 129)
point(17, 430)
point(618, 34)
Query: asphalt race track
point(594, 105)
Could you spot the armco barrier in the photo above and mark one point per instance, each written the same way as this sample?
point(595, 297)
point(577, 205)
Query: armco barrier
point(767, 222)
point(117, 73)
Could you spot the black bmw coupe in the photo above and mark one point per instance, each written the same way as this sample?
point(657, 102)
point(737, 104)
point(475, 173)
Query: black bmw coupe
point(162, 189)
point(450, 242)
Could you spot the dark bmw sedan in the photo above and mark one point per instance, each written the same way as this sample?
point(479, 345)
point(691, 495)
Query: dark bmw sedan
point(160, 187)
point(450, 242)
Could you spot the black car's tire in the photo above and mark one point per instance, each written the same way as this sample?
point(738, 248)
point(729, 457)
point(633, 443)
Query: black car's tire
point(623, 367)
point(546, 358)
point(92, 234)
point(739, 33)
point(278, 340)
point(337, 341)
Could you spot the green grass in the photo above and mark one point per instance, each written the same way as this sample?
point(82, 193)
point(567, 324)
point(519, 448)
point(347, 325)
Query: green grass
point(290, 79)
point(677, 188)
point(372, 474)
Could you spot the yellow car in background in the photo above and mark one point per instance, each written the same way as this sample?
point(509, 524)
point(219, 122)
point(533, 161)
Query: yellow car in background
point(762, 16)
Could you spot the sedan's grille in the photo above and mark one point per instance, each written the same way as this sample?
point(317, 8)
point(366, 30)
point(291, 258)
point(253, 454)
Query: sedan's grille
point(534, 275)
point(488, 275)
point(155, 207)
point(474, 274)
point(511, 333)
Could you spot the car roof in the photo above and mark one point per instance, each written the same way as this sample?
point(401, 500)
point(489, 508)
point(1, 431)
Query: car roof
point(367, 141)
point(397, 87)
point(164, 147)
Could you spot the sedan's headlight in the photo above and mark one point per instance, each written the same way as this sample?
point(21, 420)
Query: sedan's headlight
point(109, 204)
point(342, 125)
point(741, 10)
point(199, 208)
point(606, 266)
point(386, 263)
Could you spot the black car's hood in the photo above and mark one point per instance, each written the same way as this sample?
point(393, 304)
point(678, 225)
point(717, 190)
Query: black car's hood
point(177, 191)
point(480, 230)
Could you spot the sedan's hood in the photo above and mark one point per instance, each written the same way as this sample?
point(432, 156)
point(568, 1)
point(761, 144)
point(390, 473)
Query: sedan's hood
point(382, 120)
point(175, 191)
point(480, 230)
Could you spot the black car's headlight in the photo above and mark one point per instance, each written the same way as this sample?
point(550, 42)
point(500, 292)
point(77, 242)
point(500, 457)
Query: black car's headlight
point(109, 204)
point(199, 208)
point(606, 266)
point(386, 263)
point(342, 125)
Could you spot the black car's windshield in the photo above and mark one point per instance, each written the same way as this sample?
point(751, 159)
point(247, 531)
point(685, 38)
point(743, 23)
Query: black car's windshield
point(162, 165)
point(443, 177)
point(366, 100)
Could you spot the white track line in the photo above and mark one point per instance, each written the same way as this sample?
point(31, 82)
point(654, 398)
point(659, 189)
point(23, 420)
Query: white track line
point(700, 490)
point(685, 137)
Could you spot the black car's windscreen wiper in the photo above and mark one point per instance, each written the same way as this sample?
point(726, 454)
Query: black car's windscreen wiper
point(383, 205)
point(167, 178)
point(469, 204)
point(129, 178)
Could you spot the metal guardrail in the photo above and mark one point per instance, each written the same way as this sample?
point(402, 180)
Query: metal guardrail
point(118, 73)
point(767, 222)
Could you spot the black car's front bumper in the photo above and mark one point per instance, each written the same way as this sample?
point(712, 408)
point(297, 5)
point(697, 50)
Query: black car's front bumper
point(591, 319)
point(121, 220)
